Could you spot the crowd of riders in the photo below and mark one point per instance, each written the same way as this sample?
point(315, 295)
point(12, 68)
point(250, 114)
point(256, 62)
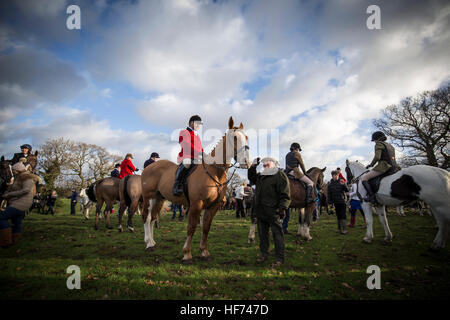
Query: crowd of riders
point(268, 189)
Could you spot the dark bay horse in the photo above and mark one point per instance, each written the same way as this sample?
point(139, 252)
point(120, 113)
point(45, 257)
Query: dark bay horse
point(6, 176)
point(298, 200)
point(207, 186)
point(130, 192)
point(104, 191)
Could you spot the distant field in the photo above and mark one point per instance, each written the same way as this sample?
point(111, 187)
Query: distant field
point(115, 266)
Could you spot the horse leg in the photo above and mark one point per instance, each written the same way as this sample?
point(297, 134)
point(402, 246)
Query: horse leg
point(369, 222)
point(121, 211)
point(155, 208)
point(107, 213)
point(381, 211)
point(194, 214)
point(98, 209)
point(131, 210)
point(207, 219)
point(443, 225)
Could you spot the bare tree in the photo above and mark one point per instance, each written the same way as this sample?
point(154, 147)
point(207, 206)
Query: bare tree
point(80, 155)
point(102, 163)
point(233, 183)
point(53, 159)
point(421, 127)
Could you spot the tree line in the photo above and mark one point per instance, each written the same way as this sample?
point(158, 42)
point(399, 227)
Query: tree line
point(66, 164)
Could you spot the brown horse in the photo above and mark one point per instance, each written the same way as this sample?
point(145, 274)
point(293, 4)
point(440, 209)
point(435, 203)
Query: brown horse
point(130, 192)
point(207, 186)
point(31, 162)
point(104, 191)
point(298, 200)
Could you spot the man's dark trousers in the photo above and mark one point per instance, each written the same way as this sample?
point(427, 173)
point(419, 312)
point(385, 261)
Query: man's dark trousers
point(278, 237)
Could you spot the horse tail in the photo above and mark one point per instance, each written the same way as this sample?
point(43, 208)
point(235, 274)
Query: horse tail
point(125, 191)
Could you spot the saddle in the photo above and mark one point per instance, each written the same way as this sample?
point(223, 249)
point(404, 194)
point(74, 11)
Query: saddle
point(292, 177)
point(375, 182)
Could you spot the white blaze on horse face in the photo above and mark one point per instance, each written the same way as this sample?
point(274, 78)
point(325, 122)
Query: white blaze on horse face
point(243, 154)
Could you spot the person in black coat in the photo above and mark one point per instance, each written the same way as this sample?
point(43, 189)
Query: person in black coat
point(115, 173)
point(51, 200)
point(336, 196)
point(26, 150)
point(73, 201)
point(153, 158)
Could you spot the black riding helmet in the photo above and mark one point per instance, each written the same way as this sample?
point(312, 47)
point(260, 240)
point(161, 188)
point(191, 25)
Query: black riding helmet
point(195, 118)
point(378, 135)
point(154, 155)
point(295, 145)
point(26, 146)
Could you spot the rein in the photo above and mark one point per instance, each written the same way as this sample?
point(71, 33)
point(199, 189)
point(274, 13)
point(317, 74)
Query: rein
point(218, 184)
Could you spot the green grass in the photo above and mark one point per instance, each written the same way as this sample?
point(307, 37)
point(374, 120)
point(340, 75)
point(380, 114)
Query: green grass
point(115, 266)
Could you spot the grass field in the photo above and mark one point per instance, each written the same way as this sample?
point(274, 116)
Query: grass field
point(115, 266)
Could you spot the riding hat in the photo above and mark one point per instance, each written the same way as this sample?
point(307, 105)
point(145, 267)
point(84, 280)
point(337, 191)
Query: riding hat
point(378, 135)
point(154, 155)
point(195, 118)
point(117, 165)
point(295, 145)
point(129, 155)
point(26, 146)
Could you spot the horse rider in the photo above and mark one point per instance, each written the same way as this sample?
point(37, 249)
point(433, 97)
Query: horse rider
point(385, 160)
point(153, 158)
point(115, 173)
point(341, 176)
point(191, 149)
point(293, 161)
point(20, 197)
point(26, 151)
point(127, 167)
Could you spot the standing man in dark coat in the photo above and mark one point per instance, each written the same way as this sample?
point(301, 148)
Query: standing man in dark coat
point(153, 158)
point(336, 196)
point(73, 201)
point(115, 173)
point(272, 198)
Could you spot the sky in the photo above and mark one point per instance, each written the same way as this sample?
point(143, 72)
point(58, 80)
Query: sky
point(310, 72)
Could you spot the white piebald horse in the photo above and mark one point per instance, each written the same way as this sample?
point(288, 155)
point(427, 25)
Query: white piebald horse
point(85, 203)
point(427, 183)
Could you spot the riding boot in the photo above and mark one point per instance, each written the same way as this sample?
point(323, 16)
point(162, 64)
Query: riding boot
point(370, 195)
point(352, 221)
point(309, 198)
point(177, 186)
point(5, 237)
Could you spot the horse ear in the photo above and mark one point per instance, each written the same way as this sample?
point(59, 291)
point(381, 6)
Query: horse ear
point(347, 162)
point(323, 170)
point(241, 126)
point(36, 153)
point(3, 158)
point(230, 123)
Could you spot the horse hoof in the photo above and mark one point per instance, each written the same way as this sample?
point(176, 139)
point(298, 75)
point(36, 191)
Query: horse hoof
point(434, 248)
point(120, 229)
point(150, 249)
point(367, 241)
point(109, 227)
point(131, 230)
point(250, 241)
point(186, 261)
point(387, 242)
point(207, 258)
point(96, 228)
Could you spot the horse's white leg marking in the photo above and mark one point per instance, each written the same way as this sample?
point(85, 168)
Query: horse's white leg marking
point(367, 208)
point(148, 238)
point(381, 211)
point(251, 234)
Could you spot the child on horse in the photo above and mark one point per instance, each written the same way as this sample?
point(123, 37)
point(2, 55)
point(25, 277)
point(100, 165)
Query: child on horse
point(293, 161)
point(385, 160)
point(191, 148)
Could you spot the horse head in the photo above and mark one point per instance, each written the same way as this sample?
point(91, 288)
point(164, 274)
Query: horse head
point(237, 142)
point(316, 174)
point(32, 160)
point(353, 169)
point(5, 170)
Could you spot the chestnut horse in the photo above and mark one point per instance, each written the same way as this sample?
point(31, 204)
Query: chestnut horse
point(298, 200)
point(104, 191)
point(207, 186)
point(130, 192)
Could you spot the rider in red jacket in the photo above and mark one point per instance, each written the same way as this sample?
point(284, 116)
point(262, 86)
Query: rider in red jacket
point(191, 148)
point(127, 167)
